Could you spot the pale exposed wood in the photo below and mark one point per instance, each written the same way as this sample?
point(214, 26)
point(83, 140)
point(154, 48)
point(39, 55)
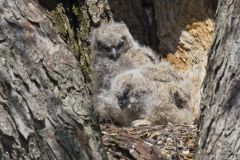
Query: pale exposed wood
point(184, 33)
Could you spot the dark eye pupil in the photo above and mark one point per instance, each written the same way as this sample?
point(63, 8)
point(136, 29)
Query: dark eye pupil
point(104, 46)
point(120, 44)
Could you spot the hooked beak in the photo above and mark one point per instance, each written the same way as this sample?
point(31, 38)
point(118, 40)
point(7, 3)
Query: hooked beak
point(114, 53)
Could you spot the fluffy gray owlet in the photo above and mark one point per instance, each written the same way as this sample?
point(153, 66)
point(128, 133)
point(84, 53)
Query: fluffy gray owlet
point(152, 94)
point(114, 50)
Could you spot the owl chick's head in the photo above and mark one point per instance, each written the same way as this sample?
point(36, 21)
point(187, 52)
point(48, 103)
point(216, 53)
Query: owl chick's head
point(111, 40)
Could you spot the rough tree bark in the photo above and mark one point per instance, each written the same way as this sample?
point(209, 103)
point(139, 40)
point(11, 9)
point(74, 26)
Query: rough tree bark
point(45, 111)
point(220, 125)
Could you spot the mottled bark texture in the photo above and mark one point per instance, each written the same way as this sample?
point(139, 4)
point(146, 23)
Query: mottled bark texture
point(45, 110)
point(74, 20)
point(220, 125)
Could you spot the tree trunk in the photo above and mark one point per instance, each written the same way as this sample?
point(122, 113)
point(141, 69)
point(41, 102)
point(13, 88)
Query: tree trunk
point(220, 105)
point(45, 110)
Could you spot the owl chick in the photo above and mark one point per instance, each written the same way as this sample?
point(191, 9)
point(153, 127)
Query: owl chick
point(114, 50)
point(152, 94)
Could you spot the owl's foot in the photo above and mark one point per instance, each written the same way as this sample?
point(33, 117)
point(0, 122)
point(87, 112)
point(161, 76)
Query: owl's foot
point(141, 122)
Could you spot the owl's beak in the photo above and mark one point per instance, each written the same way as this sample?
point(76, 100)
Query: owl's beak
point(114, 53)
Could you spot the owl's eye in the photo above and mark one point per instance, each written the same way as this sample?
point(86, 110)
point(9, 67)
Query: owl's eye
point(121, 42)
point(103, 46)
point(123, 38)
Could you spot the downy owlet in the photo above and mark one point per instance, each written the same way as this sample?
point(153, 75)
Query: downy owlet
point(114, 50)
